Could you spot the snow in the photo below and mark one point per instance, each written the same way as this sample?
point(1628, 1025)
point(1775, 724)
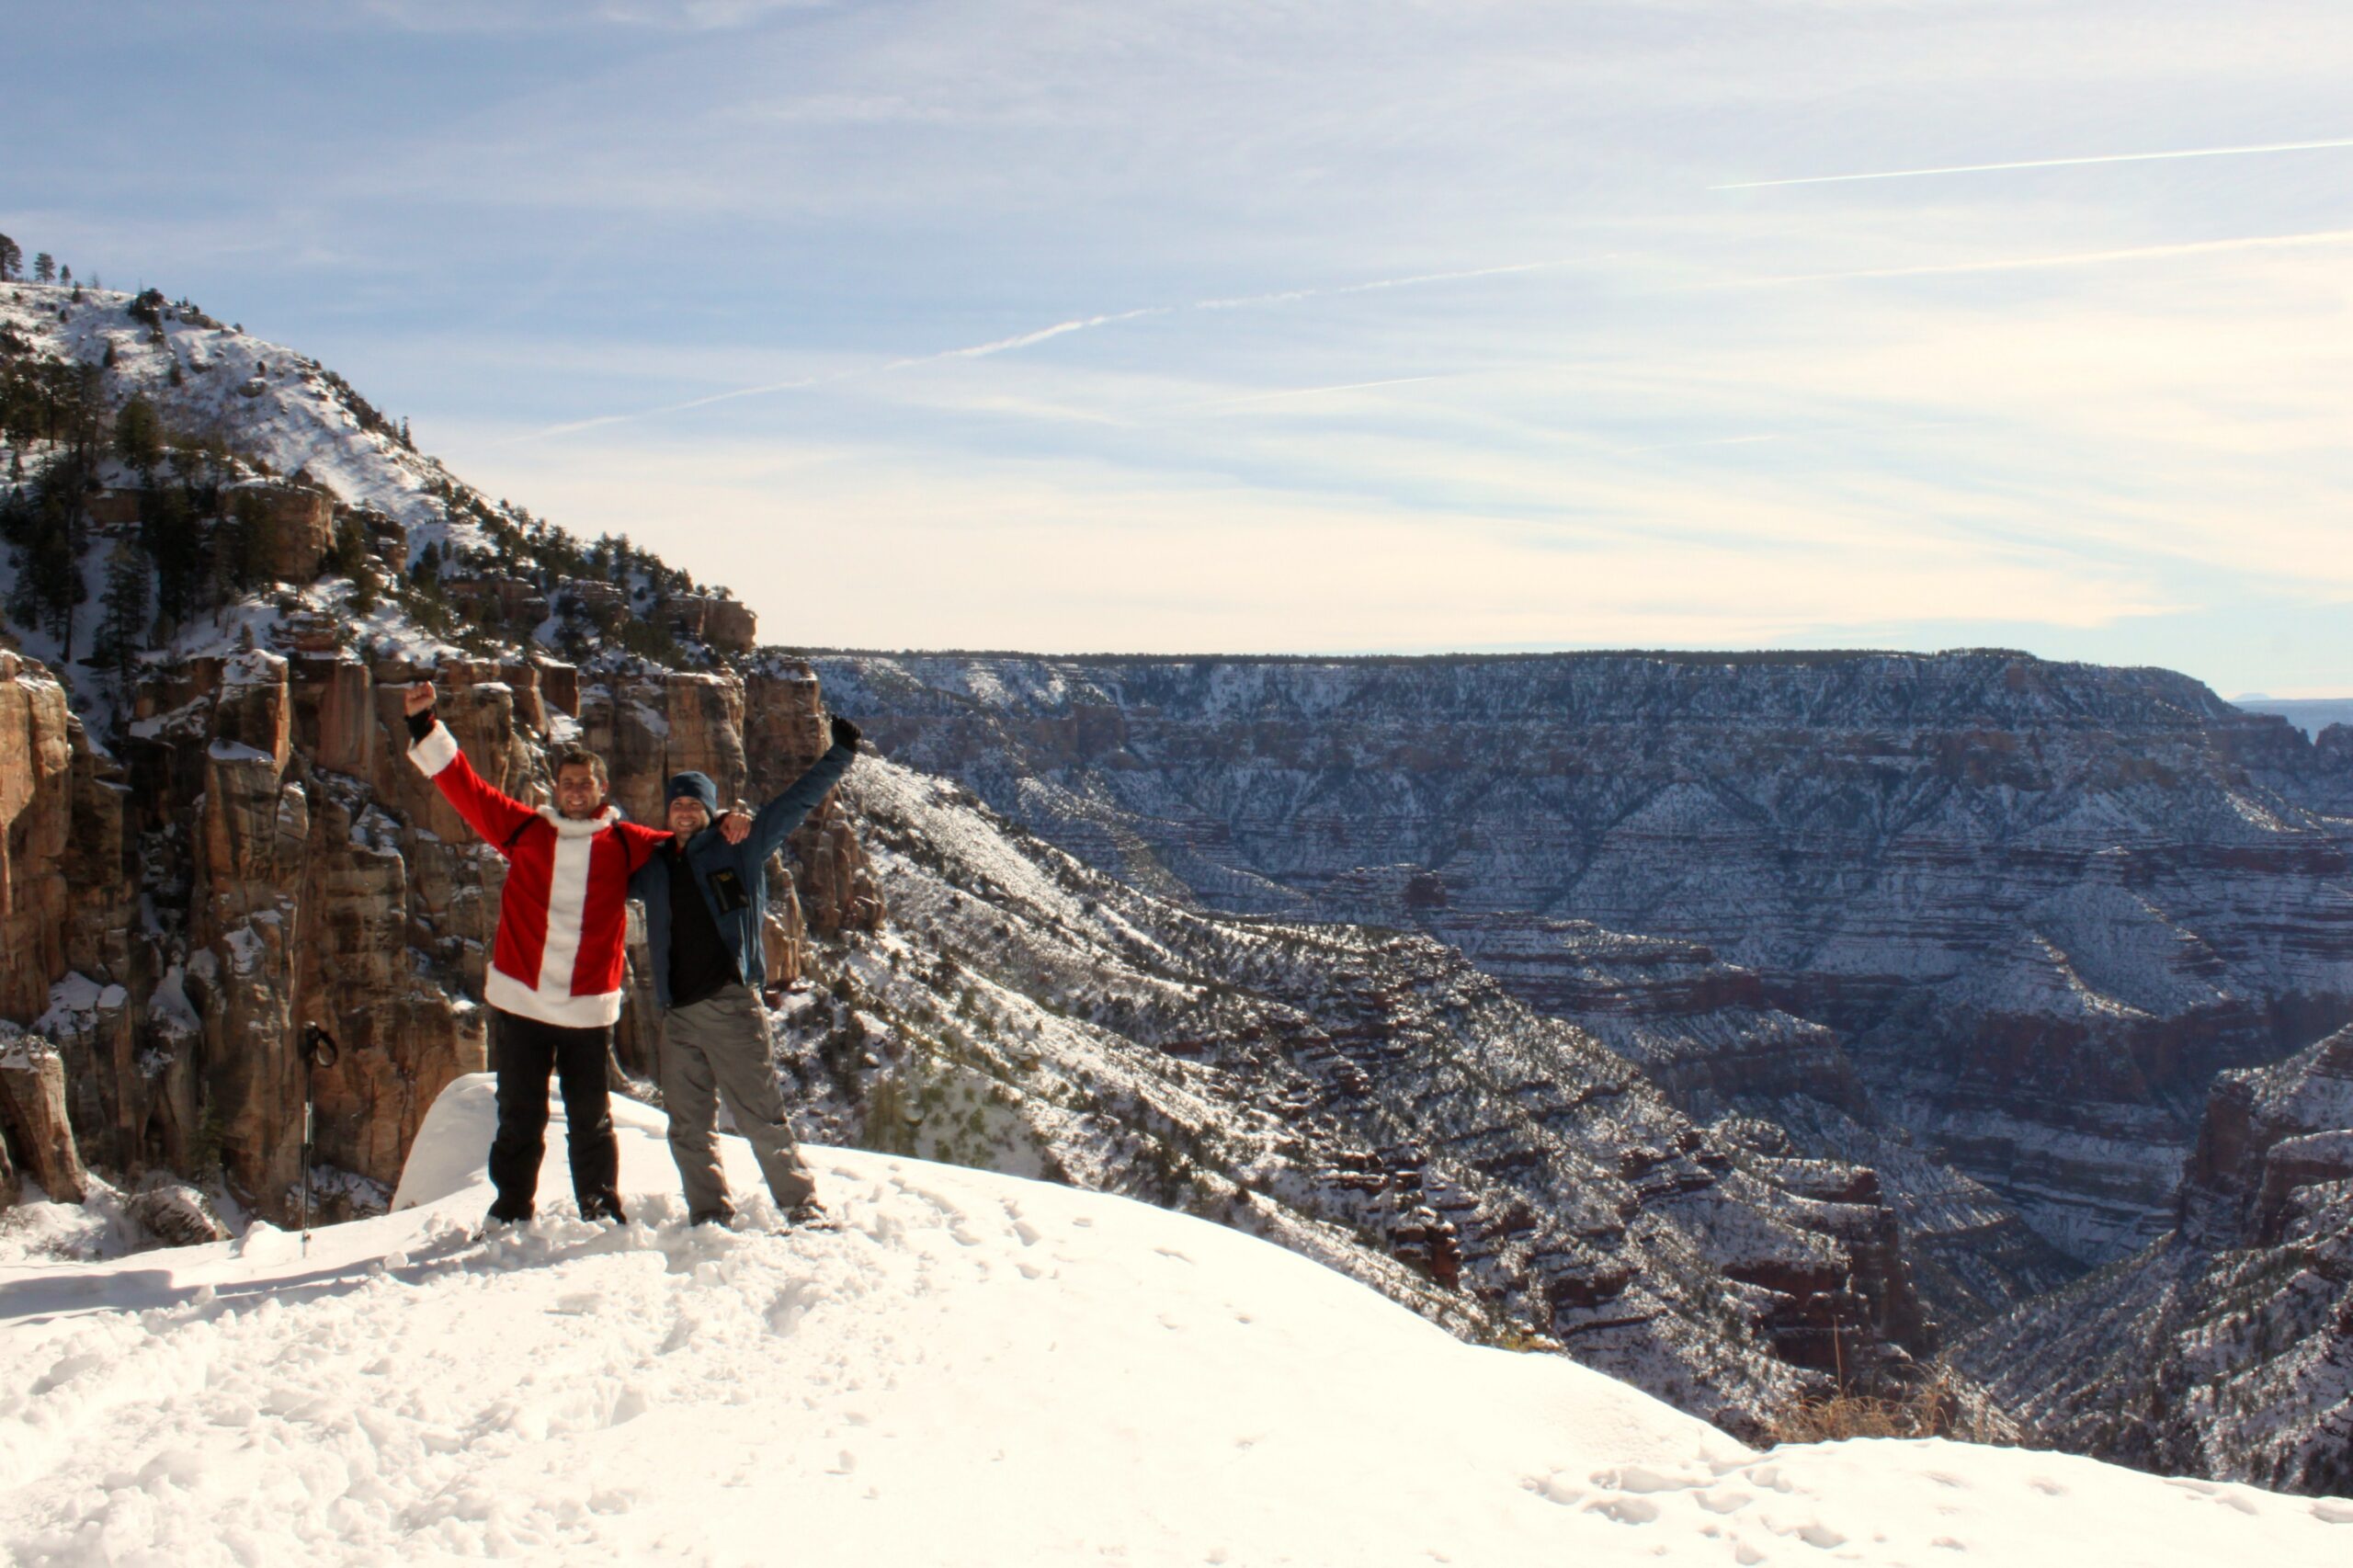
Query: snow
point(75, 1000)
point(974, 1369)
point(278, 402)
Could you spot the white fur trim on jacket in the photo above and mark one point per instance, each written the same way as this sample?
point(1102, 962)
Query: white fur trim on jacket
point(508, 994)
point(437, 751)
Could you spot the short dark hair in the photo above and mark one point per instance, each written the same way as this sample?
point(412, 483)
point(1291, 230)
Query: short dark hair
point(581, 757)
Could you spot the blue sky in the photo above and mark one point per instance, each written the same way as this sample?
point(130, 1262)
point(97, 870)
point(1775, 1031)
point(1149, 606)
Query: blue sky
point(1305, 327)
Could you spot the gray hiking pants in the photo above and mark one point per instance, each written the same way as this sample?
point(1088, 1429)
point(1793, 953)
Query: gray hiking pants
point(720, 1046)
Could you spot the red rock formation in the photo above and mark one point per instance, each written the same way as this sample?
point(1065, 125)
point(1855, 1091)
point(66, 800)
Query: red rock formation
point(33, 1094)
point(298, 520)
point(299, 871)
point(785, 732)
point(36, 756)
point(650, 726)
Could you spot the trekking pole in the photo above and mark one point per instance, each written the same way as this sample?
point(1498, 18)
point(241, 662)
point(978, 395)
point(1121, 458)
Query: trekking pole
point(318, 1051)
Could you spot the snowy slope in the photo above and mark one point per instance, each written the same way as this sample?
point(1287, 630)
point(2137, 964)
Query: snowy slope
point(976, 1370)
point(273, 403)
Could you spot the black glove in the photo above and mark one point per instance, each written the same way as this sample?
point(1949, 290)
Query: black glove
point(420, 725)
point(846, 733)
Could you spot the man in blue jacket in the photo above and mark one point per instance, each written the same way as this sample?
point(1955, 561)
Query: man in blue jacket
point(704, 898)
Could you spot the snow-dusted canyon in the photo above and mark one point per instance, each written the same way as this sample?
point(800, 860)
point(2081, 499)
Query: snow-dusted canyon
point(2023, 909)
point(1743, 1029)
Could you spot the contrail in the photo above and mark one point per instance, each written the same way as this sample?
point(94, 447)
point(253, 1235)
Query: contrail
point(2044, 164)
point(1290, 296)
point(802, 384)
point(1312, 392)
point(1028, 339)
point(1003, 345)
point(2070, 258)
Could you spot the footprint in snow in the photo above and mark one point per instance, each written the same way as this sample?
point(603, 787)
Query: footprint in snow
point(1553, 1489)
point(1626, 1510)
point(1814, 1532)
point(1641, 1478)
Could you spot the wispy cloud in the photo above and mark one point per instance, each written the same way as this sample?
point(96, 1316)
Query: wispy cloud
point(481, 17)
point(2046, 164)
point(2318, 237)
point(1434, 296)
point(1030, 339)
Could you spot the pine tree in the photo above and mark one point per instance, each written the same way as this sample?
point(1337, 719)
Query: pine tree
point(169, 531)
point(12, 258)
point(53, 566)
point(139, 436)
point(122, 617)
point(44, 268)
point(65, 275)
point(249, 542)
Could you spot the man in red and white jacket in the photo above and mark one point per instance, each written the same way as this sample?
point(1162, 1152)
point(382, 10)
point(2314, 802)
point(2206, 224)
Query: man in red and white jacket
point(554, 986)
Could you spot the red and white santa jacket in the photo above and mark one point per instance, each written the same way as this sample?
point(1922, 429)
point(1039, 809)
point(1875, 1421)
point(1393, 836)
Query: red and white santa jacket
point(561, 920)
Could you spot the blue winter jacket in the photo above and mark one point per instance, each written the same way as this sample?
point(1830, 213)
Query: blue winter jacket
point(708, 853)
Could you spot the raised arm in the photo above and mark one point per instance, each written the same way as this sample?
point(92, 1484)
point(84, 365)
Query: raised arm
point(489, 811)
point(780, 816)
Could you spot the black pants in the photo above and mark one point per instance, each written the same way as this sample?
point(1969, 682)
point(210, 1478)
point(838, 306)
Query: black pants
point(525, 1051)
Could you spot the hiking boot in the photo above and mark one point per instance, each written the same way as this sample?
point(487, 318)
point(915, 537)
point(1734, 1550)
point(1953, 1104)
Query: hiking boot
point(809, 1215)
point(607, 1208)
point(719, 1217)
point(502, 1217)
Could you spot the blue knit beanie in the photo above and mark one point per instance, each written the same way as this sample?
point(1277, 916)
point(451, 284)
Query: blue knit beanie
point(694, 787)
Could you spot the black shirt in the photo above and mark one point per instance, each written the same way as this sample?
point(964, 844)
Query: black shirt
point(699, 962)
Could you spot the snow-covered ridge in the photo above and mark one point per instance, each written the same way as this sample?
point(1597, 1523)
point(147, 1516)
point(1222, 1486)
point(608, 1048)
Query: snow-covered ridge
point(270, 402)
point(974, 1369)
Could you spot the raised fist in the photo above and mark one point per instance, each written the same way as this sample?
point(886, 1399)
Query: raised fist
point(846, 733)
point(417, 698)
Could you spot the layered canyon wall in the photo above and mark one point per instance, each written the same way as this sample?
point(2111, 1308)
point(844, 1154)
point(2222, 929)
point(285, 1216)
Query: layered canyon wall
point(2039, 905)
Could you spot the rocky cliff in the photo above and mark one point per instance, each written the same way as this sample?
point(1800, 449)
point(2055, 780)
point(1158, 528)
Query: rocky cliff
point(261, 856)
point(2038, 905)
point(2225, 1349)
point(214, 838)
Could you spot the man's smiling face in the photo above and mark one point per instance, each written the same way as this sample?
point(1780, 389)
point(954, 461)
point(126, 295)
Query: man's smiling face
point(687, 816)
point(579, 793)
